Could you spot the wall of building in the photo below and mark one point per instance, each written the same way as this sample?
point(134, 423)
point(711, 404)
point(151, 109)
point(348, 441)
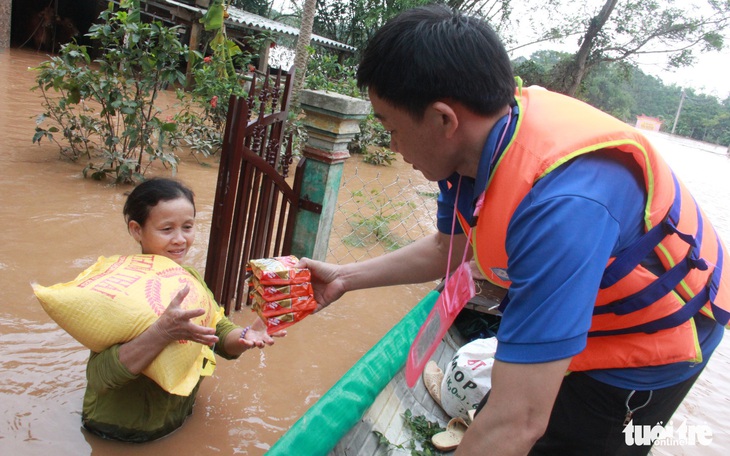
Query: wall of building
point(44, 26)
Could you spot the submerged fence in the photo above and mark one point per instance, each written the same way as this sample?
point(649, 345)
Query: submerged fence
point(380, 209)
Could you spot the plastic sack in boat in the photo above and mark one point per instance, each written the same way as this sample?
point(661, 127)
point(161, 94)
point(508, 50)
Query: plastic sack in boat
point(118, 297)
point(468, 377)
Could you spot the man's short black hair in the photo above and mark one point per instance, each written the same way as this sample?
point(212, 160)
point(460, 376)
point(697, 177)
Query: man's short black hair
point(433, 53)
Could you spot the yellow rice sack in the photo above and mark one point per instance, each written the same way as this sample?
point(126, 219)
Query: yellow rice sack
point(119, 297)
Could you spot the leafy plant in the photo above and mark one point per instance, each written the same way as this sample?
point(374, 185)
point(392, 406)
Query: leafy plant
point(324, 72)
point(106, 109)
point(379, 156)
point(372, 133)
point(373, 228)
point(202, 115)
point(297, 131)
point(203, 112)
point(422, 431)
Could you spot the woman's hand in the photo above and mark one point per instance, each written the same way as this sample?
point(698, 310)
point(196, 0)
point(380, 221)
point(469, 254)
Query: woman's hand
point(176, 323)
point(327, 283)
point(254, 336)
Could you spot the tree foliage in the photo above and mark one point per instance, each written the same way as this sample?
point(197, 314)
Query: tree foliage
point(627, 30)
point(260, 7)
point(354, 22)
point(602, 30)
point(611, 37)
point(624, 91)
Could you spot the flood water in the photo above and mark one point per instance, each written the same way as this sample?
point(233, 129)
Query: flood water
point(55, 224)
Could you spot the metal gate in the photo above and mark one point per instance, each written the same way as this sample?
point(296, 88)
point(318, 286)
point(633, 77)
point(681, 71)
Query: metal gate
point(254, 208)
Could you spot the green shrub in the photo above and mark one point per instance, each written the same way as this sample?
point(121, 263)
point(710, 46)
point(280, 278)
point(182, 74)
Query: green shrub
point(381, 156)
point(324, 72)
point(372, 133)
point(371, 224)
point(106, 109)
point(202, 115)
point(201, 118)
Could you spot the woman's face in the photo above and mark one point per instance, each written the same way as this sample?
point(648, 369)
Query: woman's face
point(168, 231)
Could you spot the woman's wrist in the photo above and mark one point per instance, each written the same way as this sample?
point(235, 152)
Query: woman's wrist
point(163, 336)
point(243, 332)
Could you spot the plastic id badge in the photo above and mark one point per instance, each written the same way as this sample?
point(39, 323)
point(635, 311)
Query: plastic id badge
point(458, 289)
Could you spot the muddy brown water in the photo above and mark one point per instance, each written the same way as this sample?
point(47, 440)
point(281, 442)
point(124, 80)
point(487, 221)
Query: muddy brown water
point(55, 224)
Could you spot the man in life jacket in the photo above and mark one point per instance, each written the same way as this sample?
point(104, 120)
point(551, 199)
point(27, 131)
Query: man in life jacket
point(616, 294)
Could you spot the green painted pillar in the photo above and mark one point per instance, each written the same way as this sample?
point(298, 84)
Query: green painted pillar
point(332, 121)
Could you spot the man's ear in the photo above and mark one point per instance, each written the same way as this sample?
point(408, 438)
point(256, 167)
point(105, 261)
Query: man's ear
point(135, 229)
point(445, 117)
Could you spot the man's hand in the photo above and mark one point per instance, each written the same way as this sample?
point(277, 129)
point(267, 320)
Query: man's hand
point(327, 284)
point(518, 409)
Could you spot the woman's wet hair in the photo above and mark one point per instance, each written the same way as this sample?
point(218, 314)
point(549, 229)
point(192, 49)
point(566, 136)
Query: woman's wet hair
point(433, 53)
point(149, 193)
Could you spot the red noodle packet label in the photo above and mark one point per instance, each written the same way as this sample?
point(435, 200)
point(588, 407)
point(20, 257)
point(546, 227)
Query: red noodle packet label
point(279, 271)
point(279, 292)
point(273, 308)
point(279, 322)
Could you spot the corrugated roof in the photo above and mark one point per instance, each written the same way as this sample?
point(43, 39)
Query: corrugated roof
point(239, 17)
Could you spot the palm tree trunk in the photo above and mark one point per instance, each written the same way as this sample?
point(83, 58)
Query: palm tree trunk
point(302, 54)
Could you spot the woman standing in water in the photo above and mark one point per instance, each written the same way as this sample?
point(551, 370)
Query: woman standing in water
point(120, 402)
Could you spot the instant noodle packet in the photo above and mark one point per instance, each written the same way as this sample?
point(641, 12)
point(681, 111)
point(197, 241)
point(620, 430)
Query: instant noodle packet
point(279, 322)
point(278, 271)
point(267, 309)
point(279, 292)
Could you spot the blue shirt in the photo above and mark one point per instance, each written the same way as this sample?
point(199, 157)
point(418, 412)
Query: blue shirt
point(559, 241)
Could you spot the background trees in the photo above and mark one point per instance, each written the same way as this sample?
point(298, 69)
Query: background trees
point(625, 91)
point(627, 30)
point(610, 35)
point(353, 22)
point(601, 42)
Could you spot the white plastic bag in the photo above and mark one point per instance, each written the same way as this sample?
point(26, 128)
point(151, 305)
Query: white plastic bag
point(468, 377)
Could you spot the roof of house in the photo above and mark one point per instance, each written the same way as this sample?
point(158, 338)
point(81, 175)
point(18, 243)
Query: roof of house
point(243, 19)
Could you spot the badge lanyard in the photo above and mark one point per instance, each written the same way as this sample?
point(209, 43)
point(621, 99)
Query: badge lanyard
point(458, 290)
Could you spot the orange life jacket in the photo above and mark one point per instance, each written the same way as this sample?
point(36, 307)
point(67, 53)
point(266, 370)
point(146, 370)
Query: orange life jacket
point(639, 319)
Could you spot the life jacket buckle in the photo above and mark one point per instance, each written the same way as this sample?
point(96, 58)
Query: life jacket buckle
point(696, 261)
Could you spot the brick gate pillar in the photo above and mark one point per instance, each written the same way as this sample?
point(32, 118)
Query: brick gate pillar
point(332, 121)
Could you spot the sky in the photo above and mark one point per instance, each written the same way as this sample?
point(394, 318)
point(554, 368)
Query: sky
point(710, 75)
